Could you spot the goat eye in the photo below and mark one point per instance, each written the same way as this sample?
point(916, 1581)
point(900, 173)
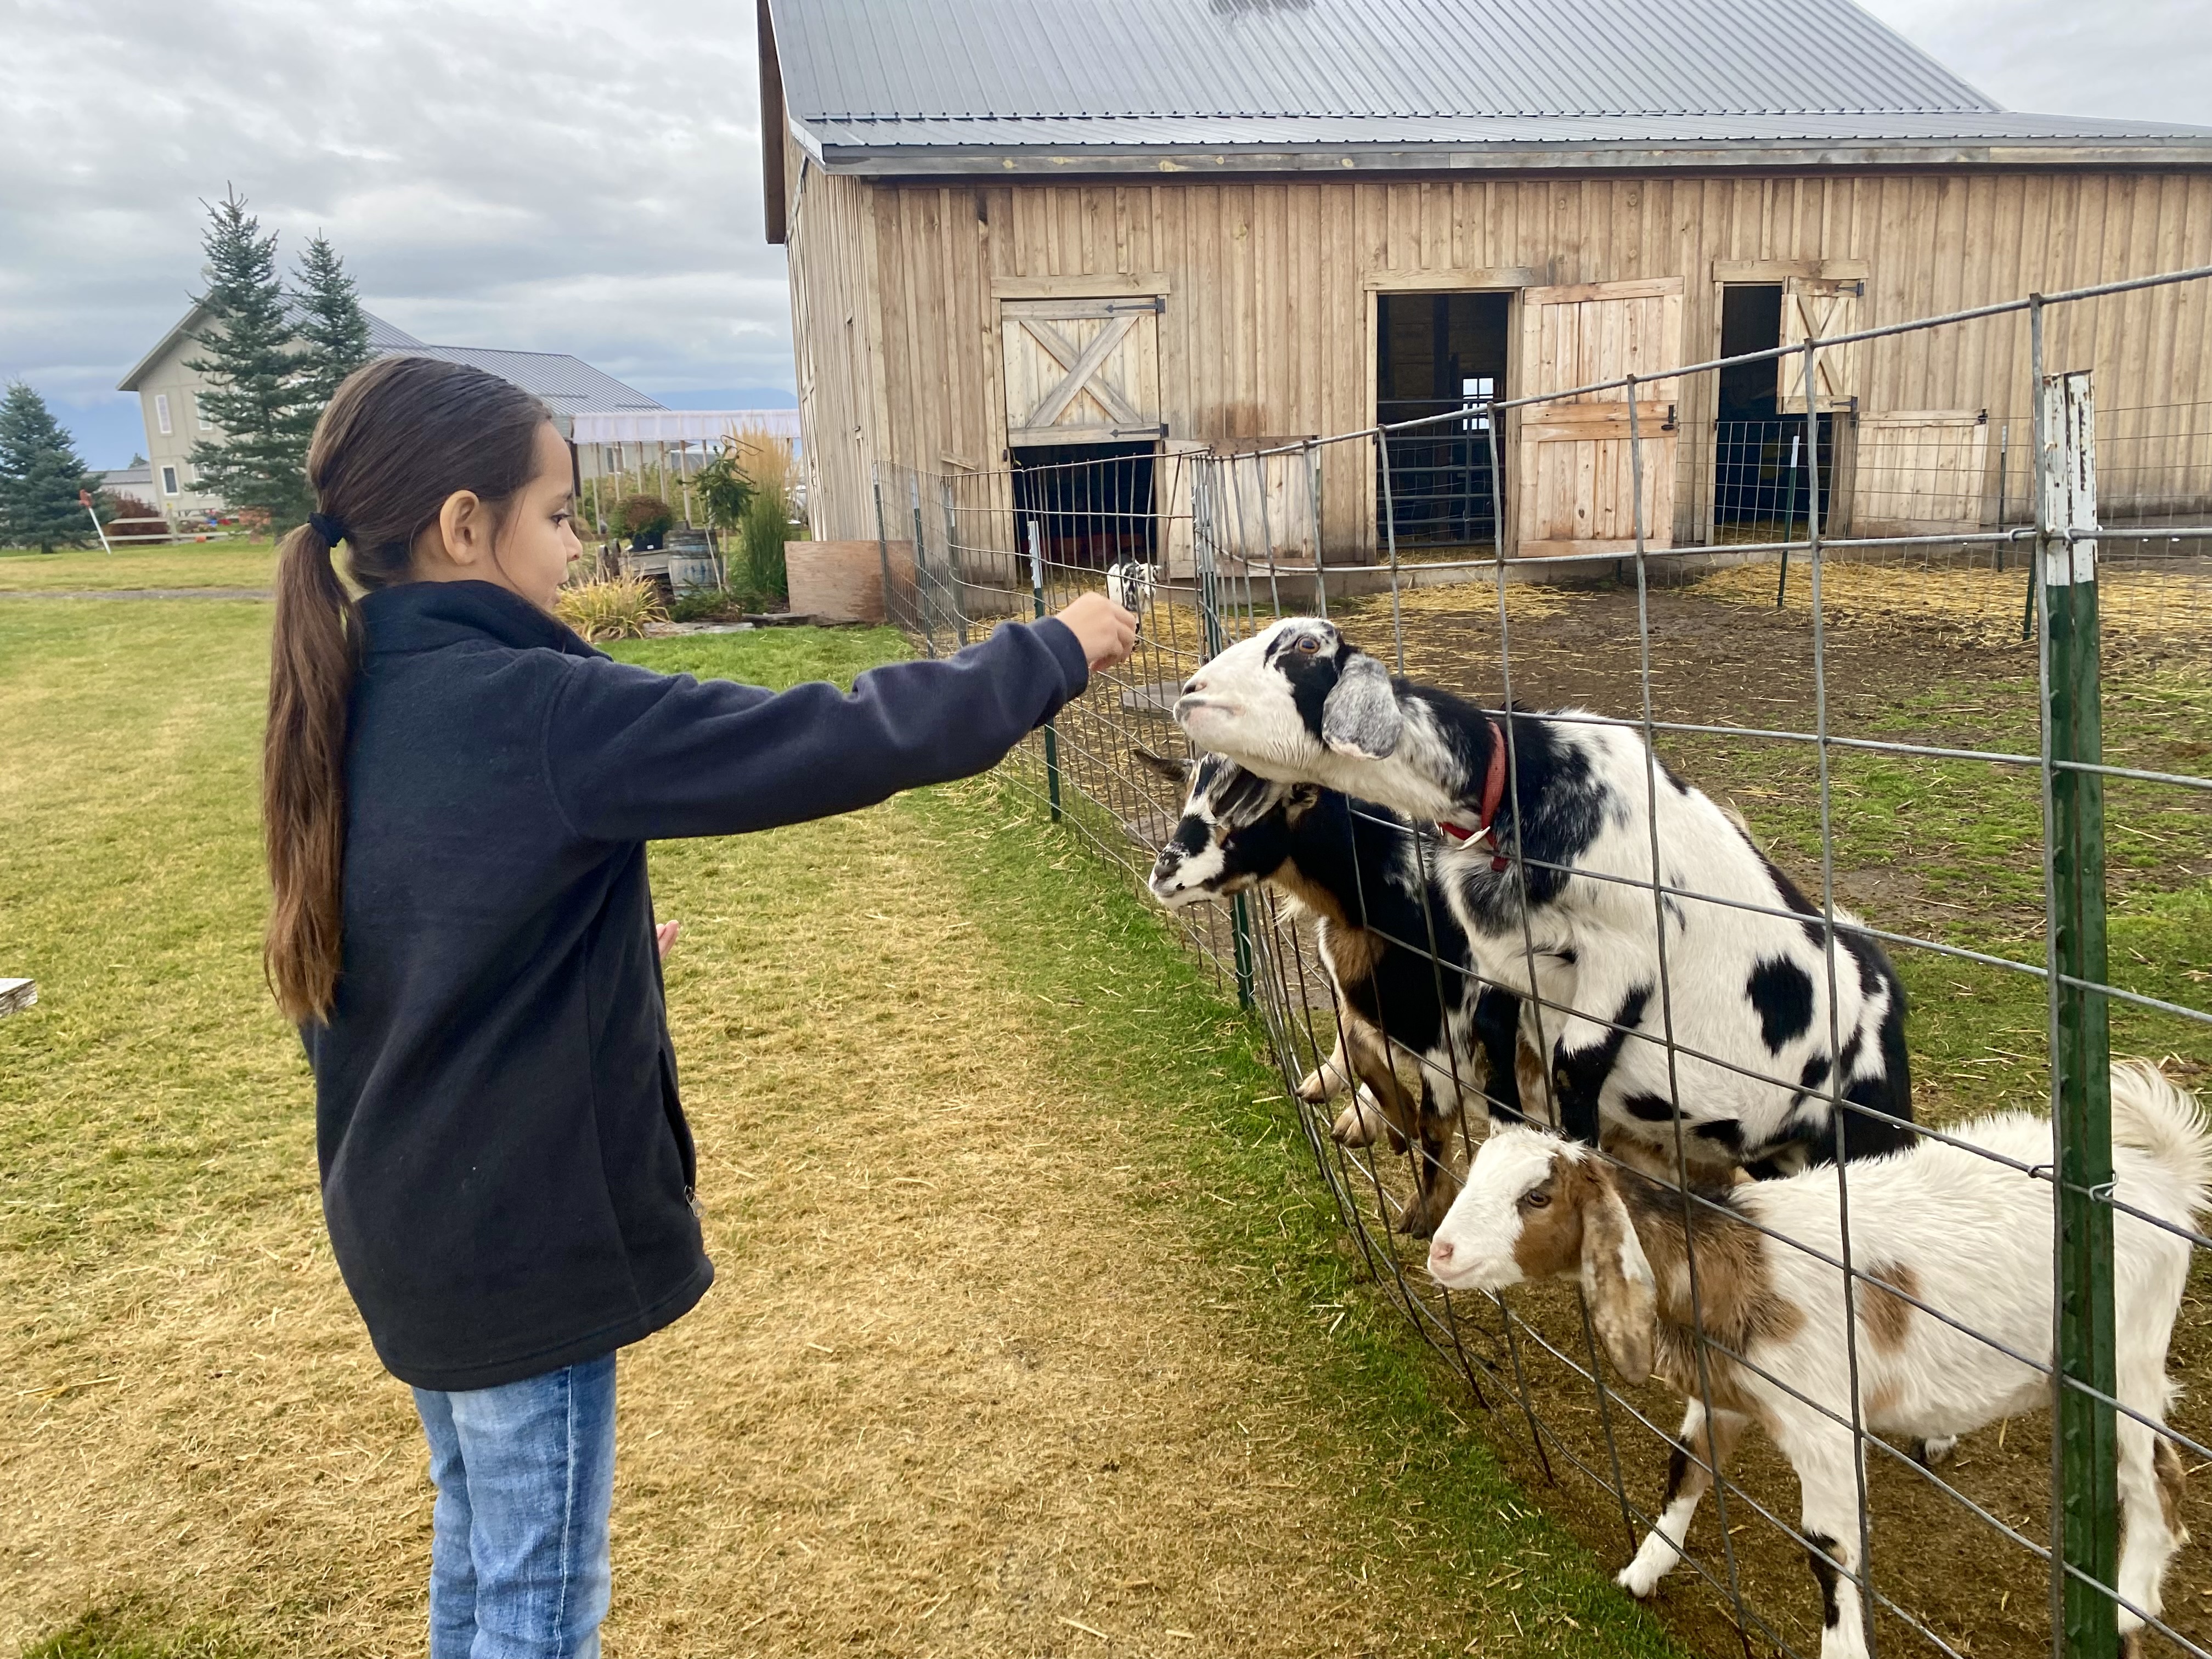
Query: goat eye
point(1309, 645)
point(1536, 1201)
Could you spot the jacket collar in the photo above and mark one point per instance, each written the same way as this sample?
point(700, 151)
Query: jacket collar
point(426, 615)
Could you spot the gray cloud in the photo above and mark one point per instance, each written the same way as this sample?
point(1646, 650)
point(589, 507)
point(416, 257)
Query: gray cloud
point(581, 179)
point(2150, 60)
point(574, 177)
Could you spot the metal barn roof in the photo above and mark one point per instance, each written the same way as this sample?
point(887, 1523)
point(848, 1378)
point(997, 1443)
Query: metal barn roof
point(894, 86)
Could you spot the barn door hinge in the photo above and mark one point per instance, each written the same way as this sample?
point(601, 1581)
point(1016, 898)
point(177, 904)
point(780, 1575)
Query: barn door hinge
point(1152, 304)
point(1669, 424)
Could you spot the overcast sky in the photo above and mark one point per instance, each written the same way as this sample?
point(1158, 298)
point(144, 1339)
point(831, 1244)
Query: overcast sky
point(571, 177)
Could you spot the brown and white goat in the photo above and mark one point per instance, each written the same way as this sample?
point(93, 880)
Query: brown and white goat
point(1939, 1226)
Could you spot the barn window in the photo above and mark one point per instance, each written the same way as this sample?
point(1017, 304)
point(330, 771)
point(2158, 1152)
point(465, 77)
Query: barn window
point(162, 411)
point(168, 480)
point(1762, 483)
point(1439, 356)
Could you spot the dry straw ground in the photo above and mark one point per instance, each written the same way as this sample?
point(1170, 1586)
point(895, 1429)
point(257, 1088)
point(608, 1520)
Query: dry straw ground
point(1032, 1335)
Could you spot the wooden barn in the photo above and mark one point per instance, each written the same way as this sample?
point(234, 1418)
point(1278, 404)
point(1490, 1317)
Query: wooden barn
point(1109, 230)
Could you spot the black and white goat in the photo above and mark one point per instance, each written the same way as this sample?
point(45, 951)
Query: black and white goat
point(1131, 584)
point(1356, 868)
point(1746, 992)
point(1937, 1226)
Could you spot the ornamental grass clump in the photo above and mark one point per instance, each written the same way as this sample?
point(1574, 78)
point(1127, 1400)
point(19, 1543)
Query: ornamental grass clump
point(616, 610)
point(757, 569)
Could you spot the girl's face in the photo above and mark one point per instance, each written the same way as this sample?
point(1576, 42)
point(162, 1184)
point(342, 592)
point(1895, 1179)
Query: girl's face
point(525, 550)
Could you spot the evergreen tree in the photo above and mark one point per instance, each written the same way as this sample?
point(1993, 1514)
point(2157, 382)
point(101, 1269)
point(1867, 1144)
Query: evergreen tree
point(331, 325)
point(39, 477)
point(260, 459)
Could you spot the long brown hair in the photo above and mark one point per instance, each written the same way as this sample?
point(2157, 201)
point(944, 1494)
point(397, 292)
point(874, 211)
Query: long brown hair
point(399, 438)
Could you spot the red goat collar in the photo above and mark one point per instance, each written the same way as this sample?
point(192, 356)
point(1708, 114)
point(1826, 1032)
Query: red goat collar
point(1493, 794)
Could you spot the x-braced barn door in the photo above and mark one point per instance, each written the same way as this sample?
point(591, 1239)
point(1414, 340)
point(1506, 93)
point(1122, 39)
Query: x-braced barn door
point(1813, 309)
point(1081, 371)
point(1577, 491)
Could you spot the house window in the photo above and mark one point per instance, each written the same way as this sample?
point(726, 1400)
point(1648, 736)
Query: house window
point(168, 476)
point(199, 420)
point(161, 414)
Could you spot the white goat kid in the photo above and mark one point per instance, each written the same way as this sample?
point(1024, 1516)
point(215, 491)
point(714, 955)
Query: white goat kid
point(1938, 1226)
point(1747, 1003)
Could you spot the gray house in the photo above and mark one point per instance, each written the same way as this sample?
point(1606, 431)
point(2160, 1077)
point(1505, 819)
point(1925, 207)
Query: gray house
point(169, 396)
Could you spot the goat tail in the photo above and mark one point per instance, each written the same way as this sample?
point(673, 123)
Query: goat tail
point(2155, 1116)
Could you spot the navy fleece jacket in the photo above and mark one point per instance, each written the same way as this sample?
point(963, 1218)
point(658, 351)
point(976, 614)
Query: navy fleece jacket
point(506, 1169)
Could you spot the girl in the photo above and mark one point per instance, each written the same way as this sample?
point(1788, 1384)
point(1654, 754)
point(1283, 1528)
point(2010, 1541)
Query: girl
point(458, 793)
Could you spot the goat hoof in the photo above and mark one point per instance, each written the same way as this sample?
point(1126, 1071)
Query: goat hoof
point(1637, 1584)
point(1355, 1127)
point(1938, 1450)
point(1313, 1088)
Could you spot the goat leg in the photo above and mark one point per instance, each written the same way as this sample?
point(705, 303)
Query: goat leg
point(1702, 1448)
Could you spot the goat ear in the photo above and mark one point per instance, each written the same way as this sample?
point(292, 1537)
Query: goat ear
point(1616, 1278)
point(1361, 715)
point(1302, 800)
point(1178, 772)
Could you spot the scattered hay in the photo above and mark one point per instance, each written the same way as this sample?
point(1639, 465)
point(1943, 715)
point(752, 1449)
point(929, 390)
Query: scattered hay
point(2144, 611)
point(1475, 600)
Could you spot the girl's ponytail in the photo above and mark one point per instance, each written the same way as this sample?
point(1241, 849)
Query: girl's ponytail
point(399, 438)
point(312, 660)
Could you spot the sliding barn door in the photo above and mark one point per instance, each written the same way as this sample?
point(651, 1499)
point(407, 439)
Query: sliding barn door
point(1577, 491)
point(1081, 371)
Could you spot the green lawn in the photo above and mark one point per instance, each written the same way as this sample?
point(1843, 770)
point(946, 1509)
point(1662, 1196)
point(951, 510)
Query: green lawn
point(190, 564)
point(1033, 1319)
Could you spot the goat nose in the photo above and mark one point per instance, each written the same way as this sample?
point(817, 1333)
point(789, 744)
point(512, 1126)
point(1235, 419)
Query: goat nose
point(1440, 1252)
point(1195, 683)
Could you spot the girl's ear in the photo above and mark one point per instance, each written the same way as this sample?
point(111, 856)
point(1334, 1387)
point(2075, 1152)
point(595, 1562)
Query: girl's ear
point(462, 534)
point(1616, 1276)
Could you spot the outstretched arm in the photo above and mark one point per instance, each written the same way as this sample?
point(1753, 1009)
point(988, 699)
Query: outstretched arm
point(636, 755)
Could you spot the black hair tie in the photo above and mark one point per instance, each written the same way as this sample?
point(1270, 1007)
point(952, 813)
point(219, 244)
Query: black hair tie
point(328, 528)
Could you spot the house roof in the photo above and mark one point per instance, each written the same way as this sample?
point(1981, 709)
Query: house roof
point(564, 384)
point(923, 86)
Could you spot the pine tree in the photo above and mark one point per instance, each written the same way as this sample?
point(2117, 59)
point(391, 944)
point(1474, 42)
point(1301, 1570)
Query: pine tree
point(39, 477)
point(260, 460)
point(331, 325)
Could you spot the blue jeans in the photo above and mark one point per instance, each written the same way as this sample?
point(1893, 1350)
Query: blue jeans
point(526, 1475)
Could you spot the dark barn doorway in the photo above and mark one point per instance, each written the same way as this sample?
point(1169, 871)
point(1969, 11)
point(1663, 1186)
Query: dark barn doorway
point(1092, 502)
point(1762, 472)
point(1439, 355)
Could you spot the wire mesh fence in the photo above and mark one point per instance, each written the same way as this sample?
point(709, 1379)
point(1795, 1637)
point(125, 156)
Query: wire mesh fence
point(1945, 678)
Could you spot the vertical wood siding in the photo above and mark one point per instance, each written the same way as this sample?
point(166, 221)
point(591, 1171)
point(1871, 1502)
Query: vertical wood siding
point(1268, 322)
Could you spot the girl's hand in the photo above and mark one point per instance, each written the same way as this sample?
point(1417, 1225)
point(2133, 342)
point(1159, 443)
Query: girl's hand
point(665, 937)
point(1107, 633)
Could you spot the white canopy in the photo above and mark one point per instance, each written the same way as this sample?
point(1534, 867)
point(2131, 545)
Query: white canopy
point(654, 426)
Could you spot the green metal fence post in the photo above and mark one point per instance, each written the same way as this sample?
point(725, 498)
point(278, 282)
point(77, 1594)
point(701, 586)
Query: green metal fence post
point(883, 541)
point(922, 568)
point(1209, 616)
point(2080, 1078)
point(1051, 728)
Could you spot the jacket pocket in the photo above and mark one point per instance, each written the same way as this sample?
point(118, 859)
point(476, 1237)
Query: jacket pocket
point(672, 1107)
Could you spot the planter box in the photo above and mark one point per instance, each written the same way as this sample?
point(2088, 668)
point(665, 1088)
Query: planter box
point(843, 581)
